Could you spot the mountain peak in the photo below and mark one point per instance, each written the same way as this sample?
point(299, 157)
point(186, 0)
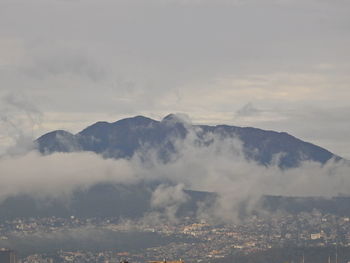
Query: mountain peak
point(57, 133)
point(177, 118)
point(139, 119)
point(58, 141)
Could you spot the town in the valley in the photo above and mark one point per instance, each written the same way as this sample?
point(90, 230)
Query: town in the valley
point(187, 239)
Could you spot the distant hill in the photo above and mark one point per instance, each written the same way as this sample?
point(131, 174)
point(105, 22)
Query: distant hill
point(134, 201)
point(99, 201)
point(123, 138)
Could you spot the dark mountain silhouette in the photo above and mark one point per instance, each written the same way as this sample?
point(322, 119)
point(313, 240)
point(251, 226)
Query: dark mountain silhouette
point(122, 139)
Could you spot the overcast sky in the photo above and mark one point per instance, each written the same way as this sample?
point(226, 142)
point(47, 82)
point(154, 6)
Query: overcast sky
point(274, 64)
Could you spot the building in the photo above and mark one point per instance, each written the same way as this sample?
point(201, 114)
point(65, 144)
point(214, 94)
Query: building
point(166, 261)
point(7, 256)
point(315, 236)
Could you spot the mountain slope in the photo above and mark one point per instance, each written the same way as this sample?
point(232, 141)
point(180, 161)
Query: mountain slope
point(122, 139)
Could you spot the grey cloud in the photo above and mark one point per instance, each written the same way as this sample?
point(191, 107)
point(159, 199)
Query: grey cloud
point(20, 102)
point(165, 196)
point(220, 167)
point(166, 201)
point(248, 110)
point(65, 62)
point(18, 119)
point(58, 175)
point(161, 47)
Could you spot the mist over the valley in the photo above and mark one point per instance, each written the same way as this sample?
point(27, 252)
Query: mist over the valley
point(219, 167)
point(86, 238)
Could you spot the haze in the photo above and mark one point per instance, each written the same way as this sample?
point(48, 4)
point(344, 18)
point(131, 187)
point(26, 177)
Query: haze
point(280, 65)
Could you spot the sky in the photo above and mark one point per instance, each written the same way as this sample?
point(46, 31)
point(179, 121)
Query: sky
point(273, 64)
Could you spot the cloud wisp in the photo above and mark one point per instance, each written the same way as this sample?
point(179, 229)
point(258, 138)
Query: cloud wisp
point(18, 119)
point(219, 167)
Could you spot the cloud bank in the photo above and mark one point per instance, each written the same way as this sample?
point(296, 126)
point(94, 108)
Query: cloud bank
point(220, 167)
point(208, 58)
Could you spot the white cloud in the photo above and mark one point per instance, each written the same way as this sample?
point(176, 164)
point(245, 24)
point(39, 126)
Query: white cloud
point(84, 61)
point(220, 167)
point(58, 175)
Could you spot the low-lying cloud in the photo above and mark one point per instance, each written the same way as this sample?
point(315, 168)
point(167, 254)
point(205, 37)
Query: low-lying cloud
point(18, 119)
point(219, 167)
point(59, 174)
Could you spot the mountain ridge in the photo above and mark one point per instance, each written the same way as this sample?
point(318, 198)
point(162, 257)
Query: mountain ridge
point(123, 138)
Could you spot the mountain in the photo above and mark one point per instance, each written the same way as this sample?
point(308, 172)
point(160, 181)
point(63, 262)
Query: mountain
point(123, 138)
point(126, 137)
